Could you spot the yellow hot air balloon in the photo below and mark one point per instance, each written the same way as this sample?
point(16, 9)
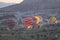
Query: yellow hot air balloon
point(38, 19)
point(53, 20)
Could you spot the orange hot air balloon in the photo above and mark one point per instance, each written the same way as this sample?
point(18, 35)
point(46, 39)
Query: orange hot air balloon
point(38, 19)
point(11, 23)
point(29, 21)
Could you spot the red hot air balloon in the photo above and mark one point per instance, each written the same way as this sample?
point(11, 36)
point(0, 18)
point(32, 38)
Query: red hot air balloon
point(29, 22)
point(11, 23)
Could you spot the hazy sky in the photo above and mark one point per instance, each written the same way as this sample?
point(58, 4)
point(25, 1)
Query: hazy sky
point(11, 1)
point(4, 3)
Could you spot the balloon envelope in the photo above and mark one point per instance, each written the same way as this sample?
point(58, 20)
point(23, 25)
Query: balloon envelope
point(53, 20)
point(38, 19)
point(11, 23)
point(29, 21)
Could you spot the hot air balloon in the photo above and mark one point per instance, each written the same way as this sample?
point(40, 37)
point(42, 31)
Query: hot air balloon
point(38, 20)
point(11, 23)
point(52, 20)
point(29, 22)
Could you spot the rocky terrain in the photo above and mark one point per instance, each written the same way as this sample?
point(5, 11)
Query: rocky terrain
point(44, 8)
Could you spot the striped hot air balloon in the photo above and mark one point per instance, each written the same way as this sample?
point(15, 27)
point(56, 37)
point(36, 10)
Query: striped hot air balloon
point(29, 22)
point(11, 23)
